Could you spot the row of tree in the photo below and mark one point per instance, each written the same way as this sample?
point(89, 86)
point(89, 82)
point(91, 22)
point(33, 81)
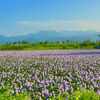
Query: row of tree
point(85, 43)
point(21, 45)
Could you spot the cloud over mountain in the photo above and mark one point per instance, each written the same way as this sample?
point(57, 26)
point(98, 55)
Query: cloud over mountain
point(60, 25)
point(53, 36)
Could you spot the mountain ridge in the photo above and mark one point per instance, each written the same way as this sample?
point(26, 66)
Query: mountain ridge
point(53, 36)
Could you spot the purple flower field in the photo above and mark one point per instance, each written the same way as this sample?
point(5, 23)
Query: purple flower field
point(45, 75)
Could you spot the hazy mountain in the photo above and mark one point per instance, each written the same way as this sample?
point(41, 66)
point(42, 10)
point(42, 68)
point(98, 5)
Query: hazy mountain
point(53, 36)
point(3, 39)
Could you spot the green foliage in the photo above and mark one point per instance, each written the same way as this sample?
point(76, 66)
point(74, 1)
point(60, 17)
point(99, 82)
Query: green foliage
point(78, 95)
point(5, 94)
point(15, 43)
point(84, 95)
point(46, 45)
point(24, 42)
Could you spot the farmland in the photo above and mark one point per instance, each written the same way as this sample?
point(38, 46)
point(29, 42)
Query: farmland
point(49, 74)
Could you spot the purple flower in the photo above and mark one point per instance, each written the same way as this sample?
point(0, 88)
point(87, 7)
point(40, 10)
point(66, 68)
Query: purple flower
point(19, 91)
point(98, 92)
point(84, 85)
point(80, 86)
point(15, 88)
point(71, 89)
point(30, 88)
point(1, 84)
point(12, 92)
point(91, 87)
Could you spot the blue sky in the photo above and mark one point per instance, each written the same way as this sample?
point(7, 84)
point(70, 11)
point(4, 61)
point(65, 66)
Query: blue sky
point(20, 17)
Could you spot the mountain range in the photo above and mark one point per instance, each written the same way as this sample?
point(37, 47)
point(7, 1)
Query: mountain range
point(53, 36)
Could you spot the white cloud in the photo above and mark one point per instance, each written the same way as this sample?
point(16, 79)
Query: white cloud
point(26, 27)
point(59, 25)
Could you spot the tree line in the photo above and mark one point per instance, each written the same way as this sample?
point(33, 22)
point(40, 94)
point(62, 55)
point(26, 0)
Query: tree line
point(46, 45)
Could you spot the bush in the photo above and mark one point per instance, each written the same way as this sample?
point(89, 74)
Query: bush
point(84, 95)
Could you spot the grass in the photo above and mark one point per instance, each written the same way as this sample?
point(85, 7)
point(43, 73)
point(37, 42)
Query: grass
point(43, 47)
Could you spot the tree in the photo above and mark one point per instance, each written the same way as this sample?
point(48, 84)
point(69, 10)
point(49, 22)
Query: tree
point(57, 42)
point(63, 42)
point(24, 42)
point(87, 42)
point(15, 43)
point(41, 42)
point(19, 42)
point(46, 42)
point(67, 41)
point(7, 43)
point(37, 42)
